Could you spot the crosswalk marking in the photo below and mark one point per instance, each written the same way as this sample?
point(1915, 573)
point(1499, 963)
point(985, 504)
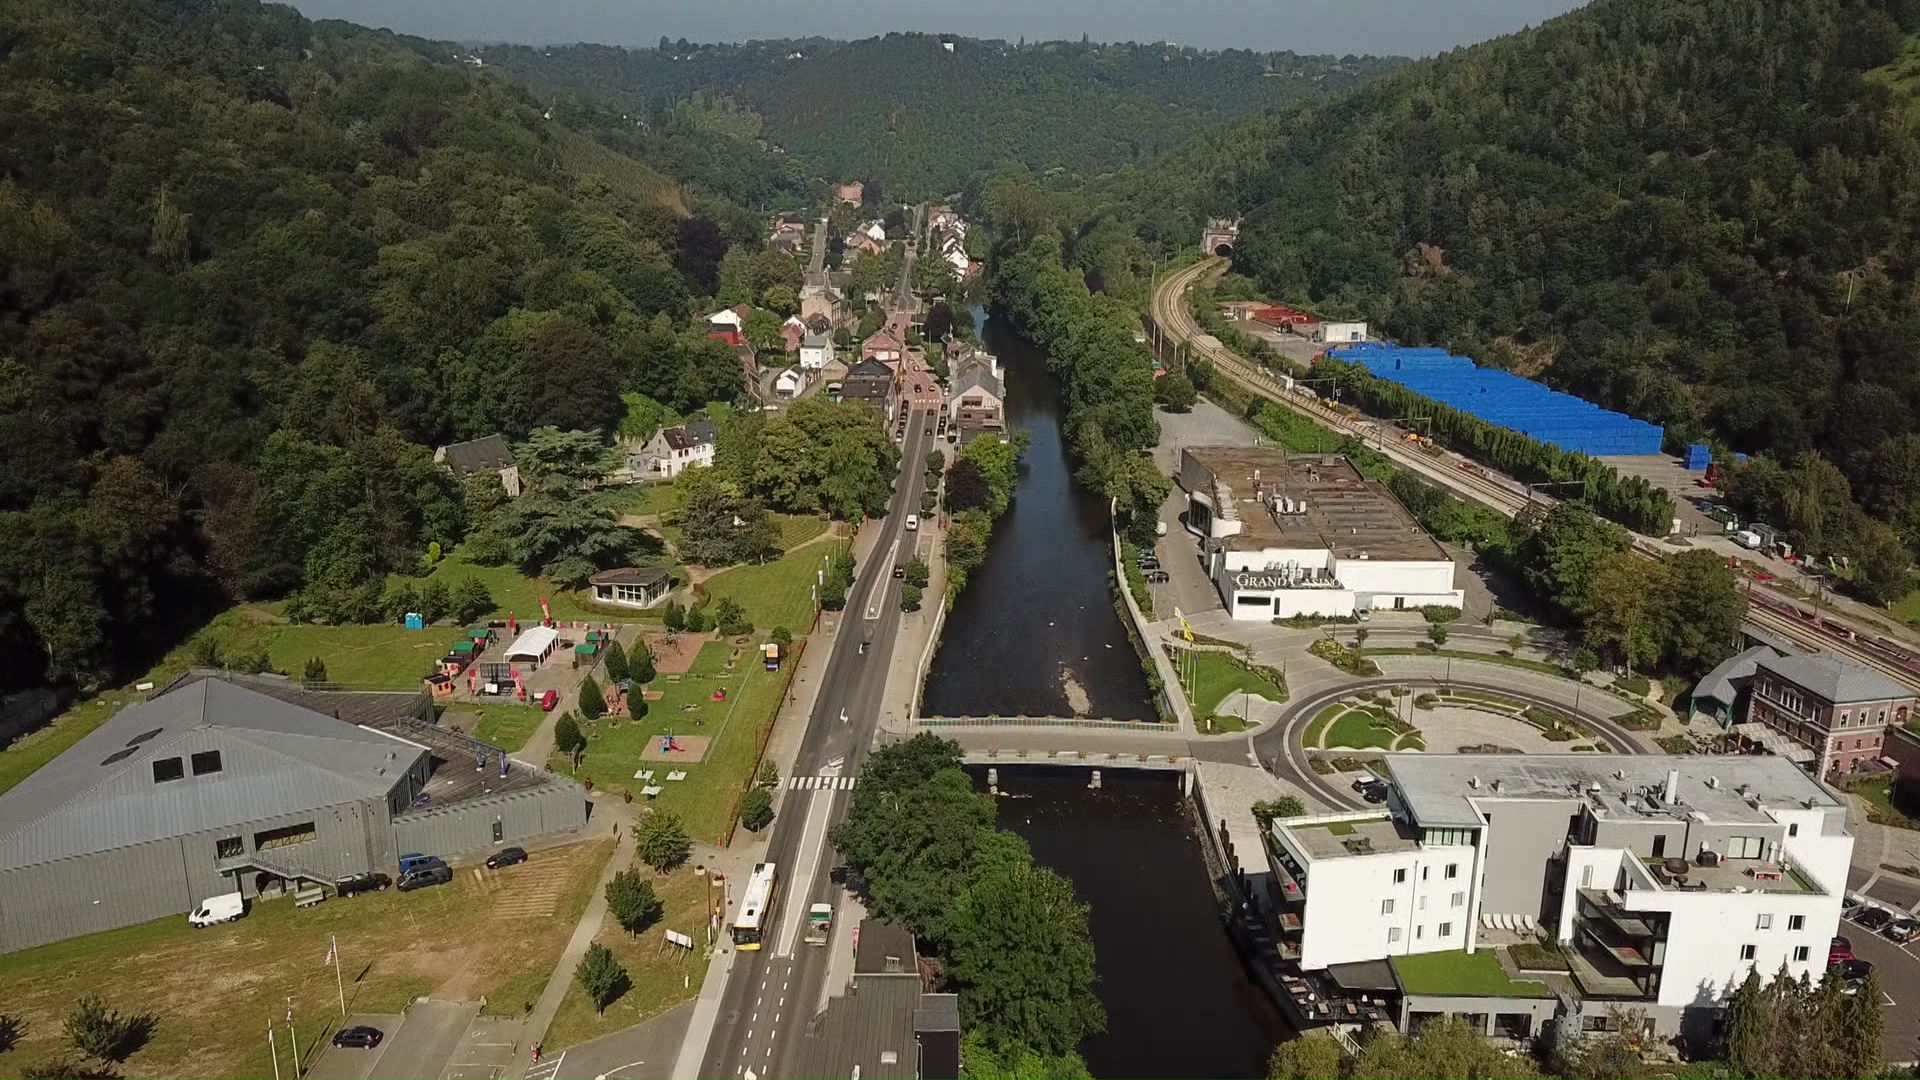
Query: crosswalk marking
point(821, 783)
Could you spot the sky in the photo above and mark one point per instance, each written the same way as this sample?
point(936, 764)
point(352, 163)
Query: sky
point(1399, 27)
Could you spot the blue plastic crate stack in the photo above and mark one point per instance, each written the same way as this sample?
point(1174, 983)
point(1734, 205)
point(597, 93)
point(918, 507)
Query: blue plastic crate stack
point(1507, 400)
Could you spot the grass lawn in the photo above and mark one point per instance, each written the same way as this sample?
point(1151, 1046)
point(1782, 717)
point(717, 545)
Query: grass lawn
point(1318, 729)
point(1489, 658)
point(707, 798)
point(508, 726)
point(389, 655)
point(797, 529)
point(662, 975)
point(514, 593)
point(639, 498)
point(200, 984)
point(777, 593)
point(1216, 676)
point(1462, 974)
point(1356, 731)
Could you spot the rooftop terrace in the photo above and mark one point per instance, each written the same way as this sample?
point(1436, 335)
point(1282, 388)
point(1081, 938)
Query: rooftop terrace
point(1342, 839)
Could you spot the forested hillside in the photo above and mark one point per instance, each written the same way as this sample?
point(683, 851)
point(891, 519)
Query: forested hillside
point(903, 113)
point(1702, 214)
point(253, 269)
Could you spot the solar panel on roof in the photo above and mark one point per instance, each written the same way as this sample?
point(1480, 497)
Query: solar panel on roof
point(144, 736)
point(121, 755)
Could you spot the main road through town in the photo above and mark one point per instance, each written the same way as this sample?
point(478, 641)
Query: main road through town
point(773, 993)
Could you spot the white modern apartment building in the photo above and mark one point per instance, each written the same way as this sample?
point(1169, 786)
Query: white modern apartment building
point(1289, 534)
point(1665, 879)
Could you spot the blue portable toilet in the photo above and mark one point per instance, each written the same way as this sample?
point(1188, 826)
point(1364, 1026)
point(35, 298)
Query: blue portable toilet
point(416, 621)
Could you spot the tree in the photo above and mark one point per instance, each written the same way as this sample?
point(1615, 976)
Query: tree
point(730, 618)
point(1559, 553)
point(1746, 1038)
point(910, 597)
point(1360, 637)
point(768, 775)
point(640, 664)
point(1437, 633)
point(756, 809)
point(593, 704)
point(1883, 568)
point(782, 299)
point(1019, 951)
point(614, 662)
point(1446, 1046)
point(674, 618)
point(64, 1069)
point(632, 902)
point(1285, 806)
point(697, 621)
point(316, 670)
point(471, 599)
point(966, 487)
point(567, 737)
point(11, 1028)
point(1312, 1056)
point(981, 1060)
point(1860, 1029)
point(436, 600)
point(557, 530)
point(719, 528)
point(601, 976)
point(1620, 608)
point(662, 840)
point(918, 573)
point(1175, 392)
point(781, 636)
point(1703, 610)
point(103, 1033)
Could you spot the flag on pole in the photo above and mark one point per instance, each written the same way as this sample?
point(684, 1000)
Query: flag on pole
point(289, 1010)
point(1186, 630)
point(333, 951)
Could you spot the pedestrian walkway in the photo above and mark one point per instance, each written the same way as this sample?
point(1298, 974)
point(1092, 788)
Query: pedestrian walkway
point(821, 783)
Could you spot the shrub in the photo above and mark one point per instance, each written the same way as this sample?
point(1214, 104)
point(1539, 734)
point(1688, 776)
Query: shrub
point(471, 599)
point(101, 1032)
point(1637, 685)
point(1425, 701)
point(662, 840)
point(316, 670)
point(1440, 613)
point(781, 636)
point(674, 617)
point(730, 618)
point(1344, 658)
point(756, 809)
point(910, 597)
point(601, 976)
point(567, 737)
point(632, 902)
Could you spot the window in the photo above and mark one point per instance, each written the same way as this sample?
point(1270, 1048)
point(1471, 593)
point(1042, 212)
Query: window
point(1743, 847)
point(1424, 871)
point(285, 836)
point(1660, 845)
point(1793, 829)
point(1419, 932)
point(1386, 906)
point(206, 761)
point(1400, 876)
point(1446, 929)
point(1796, 922)
point(1453, 870)
point(1747, 952)
point(1459, 899)
point(228, 847)
point(1799, 954)
point(1764, 922)
point(166, 769)
point(1423, 903)
point(1586, 877)
point(1393, 934)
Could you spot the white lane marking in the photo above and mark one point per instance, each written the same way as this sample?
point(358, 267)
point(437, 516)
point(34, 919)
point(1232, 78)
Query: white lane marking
point(812, 840)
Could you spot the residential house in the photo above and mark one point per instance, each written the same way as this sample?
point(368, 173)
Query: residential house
point(735, 316)
point(816, 351)
point(632, 586)
point(820, 324)
point(729, 334)
point(1723, 694)
point(790, 382)
point(976, 399)
point(823, 301)
point(674, 450)
point(1835, 711)
point(872, 383)
point(1664, 879)
point(865, 244)
point(749, 367)
point(885, 1026)
point(884, 345)
point(488, 454)
point(793, 331)
point(854, 192)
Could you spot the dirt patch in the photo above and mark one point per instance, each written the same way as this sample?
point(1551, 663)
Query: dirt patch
point(1077, 698)
point(693, 748)
point(653, 695)
point(675, 657)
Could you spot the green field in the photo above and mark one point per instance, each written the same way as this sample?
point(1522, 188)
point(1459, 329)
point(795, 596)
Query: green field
point(1462, 974)
point(662, 976)
point(370, 656)
point(507, 726)
point(514, 593)
point(706, 799)
point(395, 947)
point(1216, 678)
point(1356, 731)
point(776, 593)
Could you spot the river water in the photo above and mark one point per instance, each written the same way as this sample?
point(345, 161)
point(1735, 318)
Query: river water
point(1038, 616)
point(1179, 1000)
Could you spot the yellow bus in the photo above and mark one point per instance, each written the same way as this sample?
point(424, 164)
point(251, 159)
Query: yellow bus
point(754, 909)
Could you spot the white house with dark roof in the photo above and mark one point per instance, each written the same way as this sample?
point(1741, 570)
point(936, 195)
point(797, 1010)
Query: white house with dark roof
point(674, 450)
point(632, 586)
point(816, 351)
point(483, 455)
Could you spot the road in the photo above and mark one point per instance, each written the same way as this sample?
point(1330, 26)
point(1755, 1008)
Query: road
point(817, 258)
point(903, 299)
point(771, 994)
point(1768, 611)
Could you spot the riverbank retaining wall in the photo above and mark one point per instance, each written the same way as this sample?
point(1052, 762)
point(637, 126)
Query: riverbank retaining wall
point(1173, 700)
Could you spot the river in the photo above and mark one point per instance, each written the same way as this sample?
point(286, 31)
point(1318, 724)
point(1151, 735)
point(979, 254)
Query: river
point(1179, 1000)
point(1039, 615)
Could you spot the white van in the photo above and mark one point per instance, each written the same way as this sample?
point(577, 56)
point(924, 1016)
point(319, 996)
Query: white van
point(913, 522)
point(218, 909)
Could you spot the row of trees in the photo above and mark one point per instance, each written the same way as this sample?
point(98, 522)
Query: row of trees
point(978, 489)
point(1812, 499)
point(1790, 1027)
point(1009, 936)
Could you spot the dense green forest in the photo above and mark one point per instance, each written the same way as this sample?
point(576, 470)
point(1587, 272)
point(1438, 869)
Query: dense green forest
point(1701, 214)
point(253, 269)
point(914, 120)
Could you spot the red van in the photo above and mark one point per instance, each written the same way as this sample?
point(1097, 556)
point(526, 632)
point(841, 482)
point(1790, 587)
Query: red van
point(548, 700)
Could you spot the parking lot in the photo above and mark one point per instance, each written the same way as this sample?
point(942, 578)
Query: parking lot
point(443, 1040)
point(1898, 967)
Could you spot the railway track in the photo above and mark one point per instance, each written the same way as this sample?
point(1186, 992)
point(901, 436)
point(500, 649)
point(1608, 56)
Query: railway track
point(1766, 609)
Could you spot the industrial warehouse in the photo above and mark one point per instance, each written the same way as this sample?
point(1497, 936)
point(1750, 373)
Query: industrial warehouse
point(1286, 535)
point(223, 783)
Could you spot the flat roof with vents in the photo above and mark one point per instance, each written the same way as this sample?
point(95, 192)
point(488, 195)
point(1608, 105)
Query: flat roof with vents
point(1319, 501)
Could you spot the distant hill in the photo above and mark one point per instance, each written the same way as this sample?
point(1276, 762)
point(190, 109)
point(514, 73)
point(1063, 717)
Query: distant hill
point(907, 114)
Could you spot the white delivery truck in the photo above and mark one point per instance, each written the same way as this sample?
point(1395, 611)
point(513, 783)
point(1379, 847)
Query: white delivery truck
point(218, 909)
point(1748, 539)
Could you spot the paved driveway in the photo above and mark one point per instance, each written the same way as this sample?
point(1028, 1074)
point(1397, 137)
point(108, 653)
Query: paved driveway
point(1899, 971)
point(425, 1042)
point(335, 1063)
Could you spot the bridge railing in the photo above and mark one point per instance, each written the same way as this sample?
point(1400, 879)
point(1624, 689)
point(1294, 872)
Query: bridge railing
point(1047, 721)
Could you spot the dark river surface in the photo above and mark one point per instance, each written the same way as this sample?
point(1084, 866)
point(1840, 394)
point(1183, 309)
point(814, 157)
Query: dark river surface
point(1039, 611)
point(1179, 1000)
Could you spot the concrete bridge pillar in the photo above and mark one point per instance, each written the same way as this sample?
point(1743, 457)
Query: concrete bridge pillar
point(1095, 782)
point(1186, 783)
point(993, 781)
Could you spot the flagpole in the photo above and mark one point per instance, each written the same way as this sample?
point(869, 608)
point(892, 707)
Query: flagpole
point(273, 1048)
point(294, 1035)
point(333, 950)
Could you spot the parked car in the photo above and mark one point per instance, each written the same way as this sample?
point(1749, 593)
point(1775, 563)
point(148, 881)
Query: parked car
point(506, 856)
point(426, 876)
point(218, 909)
point(1157, 577)
point(1853, 970)
point(1842, 942)
point(1873, 918)
point(360, 883)
point(417, 861)
point(1375, 792)
point(1903, 930)
point(913, 522)
point(1364, 780)
point(359, 1036)
point(548, 700)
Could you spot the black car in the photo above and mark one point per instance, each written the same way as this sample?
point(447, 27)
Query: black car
point(1375, 792)
point(360, 1036)
point(1874, 918)
point(1853, 970)
point(360, 883)
point(424, 877)
point(1842, 943)
point(506, 856)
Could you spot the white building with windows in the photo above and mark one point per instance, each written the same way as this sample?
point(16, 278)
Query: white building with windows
point(1665, 879)
point(1288, 534)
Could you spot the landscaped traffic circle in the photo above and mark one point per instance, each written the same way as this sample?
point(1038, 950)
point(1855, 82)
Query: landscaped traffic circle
point(1446, 720)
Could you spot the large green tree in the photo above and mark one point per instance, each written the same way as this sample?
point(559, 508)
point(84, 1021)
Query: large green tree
point(1019, 951)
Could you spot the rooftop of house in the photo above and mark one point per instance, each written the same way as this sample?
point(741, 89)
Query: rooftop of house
point(1718, 685)
point(631, 575)
point(1839, 681)
point(688, 436)
point(1345, 836)
point(976, 377)
point(1312, 501)
point(487, 454)
point(817, 340)
point(1441, 790)
point(870, 369)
